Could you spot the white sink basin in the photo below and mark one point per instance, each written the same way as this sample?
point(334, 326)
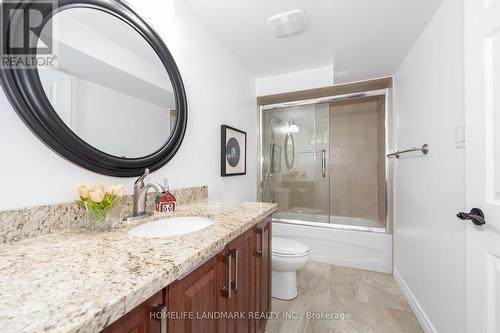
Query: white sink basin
point(170, 227)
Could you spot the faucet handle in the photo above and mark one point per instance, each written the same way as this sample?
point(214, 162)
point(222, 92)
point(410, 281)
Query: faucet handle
point(165, 184)
point(140, 181)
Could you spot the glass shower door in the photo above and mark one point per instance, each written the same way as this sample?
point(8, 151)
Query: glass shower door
point(357, 146)
point(326, 162)
point(296, 163)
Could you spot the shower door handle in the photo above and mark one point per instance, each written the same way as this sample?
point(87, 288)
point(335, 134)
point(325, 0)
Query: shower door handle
point(323, 163)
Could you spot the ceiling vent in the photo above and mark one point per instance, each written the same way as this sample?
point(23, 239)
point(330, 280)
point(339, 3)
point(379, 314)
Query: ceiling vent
point(287, 24)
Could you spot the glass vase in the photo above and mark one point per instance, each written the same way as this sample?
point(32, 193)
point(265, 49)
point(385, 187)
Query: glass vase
point(100, 219)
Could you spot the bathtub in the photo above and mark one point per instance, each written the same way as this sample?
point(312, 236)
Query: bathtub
point(340, 222)
point(340, 244)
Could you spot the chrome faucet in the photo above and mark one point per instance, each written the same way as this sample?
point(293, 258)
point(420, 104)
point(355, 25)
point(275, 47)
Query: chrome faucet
point(140, 195)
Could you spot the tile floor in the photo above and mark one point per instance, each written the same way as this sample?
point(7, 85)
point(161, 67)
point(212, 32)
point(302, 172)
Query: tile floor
point(372, 301)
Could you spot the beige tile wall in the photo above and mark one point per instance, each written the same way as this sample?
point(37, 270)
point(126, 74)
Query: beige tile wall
point(354, 155)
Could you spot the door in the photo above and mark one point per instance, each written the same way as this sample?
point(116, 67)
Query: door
point(241, 300)
point(62, 90)
point(196, 298)
point(295, 154)
point(482, 118)
point(262, 273)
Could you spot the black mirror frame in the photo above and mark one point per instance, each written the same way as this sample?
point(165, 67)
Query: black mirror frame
point(25, 92)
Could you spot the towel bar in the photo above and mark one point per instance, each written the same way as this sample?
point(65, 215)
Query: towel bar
point(424, 149)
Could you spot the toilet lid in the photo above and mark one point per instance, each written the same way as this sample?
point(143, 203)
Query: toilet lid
point(288, 247)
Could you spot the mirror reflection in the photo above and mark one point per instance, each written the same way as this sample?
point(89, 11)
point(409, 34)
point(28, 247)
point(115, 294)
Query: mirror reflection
point(108, 84)
point(290, 151)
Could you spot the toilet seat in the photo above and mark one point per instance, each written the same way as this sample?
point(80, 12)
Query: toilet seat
point(278, 255)
point(287, 248)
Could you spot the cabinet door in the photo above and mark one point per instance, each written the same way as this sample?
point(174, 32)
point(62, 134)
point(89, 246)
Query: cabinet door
point(242, 299)
point(141, 319)
point(262, 272)
point(196, 299)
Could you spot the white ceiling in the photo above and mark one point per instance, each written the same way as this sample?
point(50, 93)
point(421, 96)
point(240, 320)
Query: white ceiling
point(371, 37)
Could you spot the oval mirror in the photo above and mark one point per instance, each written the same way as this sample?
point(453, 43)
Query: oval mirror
point(112, 99)
point(108, 85)
point(289, 151)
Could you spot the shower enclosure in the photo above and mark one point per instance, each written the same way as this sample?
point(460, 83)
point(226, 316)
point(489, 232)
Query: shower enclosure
point(323, 161)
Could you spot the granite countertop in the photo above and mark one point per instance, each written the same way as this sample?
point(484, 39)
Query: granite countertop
point(82, 281)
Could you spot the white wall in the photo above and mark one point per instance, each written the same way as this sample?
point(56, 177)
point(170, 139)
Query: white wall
point(302, 80)
point(108, 40)
point(219, 91)
point(429, 240)
point(95, 112)
point(107, 118)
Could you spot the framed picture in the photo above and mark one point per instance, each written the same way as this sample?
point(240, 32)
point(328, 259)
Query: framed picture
point(233, 151)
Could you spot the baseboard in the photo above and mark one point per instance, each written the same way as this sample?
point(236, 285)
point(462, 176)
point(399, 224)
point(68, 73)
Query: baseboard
point(414, 304)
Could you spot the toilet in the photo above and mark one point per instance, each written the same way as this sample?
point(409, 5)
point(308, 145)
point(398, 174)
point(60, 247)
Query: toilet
point(288, 256)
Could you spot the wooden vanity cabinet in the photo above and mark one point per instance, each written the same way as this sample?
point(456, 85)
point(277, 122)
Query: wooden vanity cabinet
point(252, 276)
point(139, 320)
point(235, 281)
point(192, 299)
point(223, 287)
point(263, 256)
point(242, 298)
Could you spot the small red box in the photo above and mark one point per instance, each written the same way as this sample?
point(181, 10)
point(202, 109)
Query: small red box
point(166, 204)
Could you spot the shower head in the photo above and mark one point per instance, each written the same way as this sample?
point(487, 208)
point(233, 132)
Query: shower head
point(273, 126)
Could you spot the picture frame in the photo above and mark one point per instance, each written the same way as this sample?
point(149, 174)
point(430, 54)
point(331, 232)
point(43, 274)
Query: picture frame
point(233, 151)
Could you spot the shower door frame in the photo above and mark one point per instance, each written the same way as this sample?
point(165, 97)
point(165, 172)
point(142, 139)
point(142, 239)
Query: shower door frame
point(389, 164)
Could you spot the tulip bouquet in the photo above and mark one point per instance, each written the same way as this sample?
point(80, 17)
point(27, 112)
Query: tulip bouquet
point(99, 202)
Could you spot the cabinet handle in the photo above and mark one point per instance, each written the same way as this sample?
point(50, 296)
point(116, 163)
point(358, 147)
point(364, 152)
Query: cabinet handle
point(160, 313)
point(234, 284)
point(226, 291)
point(258, 253)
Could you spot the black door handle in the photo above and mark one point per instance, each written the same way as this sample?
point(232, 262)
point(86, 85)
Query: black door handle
point(476, 216)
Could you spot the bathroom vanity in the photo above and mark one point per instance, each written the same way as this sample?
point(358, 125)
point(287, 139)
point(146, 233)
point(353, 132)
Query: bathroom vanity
point(236, 281)
point(79, 281)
